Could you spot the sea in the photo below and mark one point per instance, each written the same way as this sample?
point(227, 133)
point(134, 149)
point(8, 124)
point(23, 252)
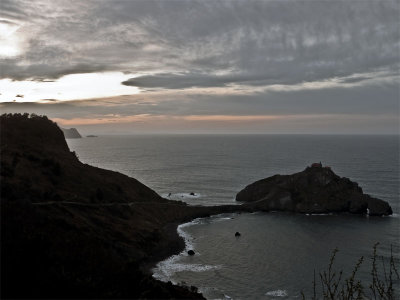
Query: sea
point(278, 255)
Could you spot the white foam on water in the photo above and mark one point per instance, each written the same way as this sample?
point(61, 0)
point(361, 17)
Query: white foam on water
point(223, 219)
point(277, 293)
point(323, 214)
point(177, 196)
point(212, 293)
point(186, 236)
point(165, 269)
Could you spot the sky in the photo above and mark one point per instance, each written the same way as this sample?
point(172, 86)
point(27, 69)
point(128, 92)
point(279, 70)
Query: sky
point(209, 66)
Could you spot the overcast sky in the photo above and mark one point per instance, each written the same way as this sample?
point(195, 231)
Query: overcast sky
point(277, 66)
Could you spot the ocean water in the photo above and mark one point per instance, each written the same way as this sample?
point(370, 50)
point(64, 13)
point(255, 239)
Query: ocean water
point(277, 253)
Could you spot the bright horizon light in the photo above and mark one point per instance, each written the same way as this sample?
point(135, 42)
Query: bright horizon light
point(68, 87)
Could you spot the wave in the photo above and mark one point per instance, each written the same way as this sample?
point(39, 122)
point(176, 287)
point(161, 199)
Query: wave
point(189, 244)
point(179, 196)
point(277, 293)
point(165, 269)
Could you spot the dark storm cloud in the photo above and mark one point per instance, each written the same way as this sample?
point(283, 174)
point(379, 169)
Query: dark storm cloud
point(182, 81)
point(40, 72)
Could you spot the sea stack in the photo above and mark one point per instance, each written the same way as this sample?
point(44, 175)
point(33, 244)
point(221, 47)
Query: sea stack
point(315, 190)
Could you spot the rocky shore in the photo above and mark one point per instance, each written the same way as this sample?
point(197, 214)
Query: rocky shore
point(70, 230)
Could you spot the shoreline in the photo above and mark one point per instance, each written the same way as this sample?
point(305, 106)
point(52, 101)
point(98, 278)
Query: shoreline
point(173, 244)
point(182, 244)
point(177, 244)
point(170, 275)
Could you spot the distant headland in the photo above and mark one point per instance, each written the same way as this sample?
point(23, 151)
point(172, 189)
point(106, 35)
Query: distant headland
point(71, 133)
point(70, 230)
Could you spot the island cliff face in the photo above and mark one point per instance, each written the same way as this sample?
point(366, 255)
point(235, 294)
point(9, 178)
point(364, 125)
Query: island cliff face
point(315, 190)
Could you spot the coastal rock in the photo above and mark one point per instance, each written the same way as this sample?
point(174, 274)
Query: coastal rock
point(315, 190)
point(237, 234)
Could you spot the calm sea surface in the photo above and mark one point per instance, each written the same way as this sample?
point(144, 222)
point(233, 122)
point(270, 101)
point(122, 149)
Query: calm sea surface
point(277, 253)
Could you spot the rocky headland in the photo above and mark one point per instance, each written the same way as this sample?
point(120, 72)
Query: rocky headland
point(315, 190)
point(70, 230)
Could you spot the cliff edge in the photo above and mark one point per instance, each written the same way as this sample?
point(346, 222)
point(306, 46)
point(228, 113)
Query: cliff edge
point(70, 230)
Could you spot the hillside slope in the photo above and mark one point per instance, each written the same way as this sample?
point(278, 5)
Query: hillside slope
point(76, 231)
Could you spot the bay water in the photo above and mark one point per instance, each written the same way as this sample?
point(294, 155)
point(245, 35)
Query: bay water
point(277, 253)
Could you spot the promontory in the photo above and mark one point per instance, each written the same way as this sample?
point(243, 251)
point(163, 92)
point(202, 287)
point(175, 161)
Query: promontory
point(315, 190)
point(70, 230)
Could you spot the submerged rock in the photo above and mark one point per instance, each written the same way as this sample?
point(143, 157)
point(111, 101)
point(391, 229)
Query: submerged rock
point(237, 234)
point(315, 190)
point(191, 252)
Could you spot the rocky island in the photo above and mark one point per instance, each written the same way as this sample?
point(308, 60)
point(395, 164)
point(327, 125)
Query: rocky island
point(315, 190)
point(70, 230)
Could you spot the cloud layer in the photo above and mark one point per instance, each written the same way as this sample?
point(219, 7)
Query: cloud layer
point(208, 57)
point(276, 41)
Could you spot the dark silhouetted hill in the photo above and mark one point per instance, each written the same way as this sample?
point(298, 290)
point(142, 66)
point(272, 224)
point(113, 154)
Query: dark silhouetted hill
point(70, 230)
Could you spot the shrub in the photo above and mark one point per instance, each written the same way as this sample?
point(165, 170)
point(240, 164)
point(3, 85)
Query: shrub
point(332, 285)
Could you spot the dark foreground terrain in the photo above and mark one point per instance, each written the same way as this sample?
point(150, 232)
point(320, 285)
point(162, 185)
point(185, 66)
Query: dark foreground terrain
point(70, 230)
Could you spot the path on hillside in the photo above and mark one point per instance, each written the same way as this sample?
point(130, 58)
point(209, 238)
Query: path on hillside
point(100, 204)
